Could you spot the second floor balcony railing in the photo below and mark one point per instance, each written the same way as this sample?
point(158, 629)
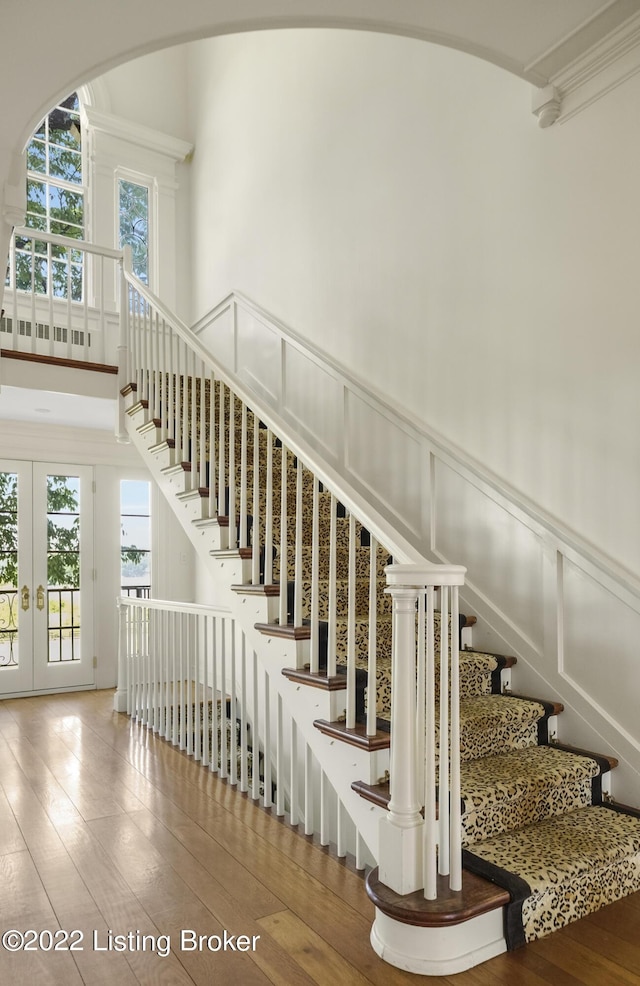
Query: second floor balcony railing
point(61, 298)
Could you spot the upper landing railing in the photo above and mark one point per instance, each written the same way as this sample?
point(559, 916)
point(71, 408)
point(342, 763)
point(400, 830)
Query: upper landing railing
point(61, 298)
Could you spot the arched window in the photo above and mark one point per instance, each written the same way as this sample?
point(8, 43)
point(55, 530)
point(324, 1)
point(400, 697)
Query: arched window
point(55, 204)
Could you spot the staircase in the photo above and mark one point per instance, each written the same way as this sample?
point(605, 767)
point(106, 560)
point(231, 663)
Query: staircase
point(534, 820)
point(368, 670)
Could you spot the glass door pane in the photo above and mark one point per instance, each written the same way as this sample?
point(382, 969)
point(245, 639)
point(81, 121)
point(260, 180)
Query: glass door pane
point(16, 640)
point(63, 568)
point(9, 644)
point(63, 576)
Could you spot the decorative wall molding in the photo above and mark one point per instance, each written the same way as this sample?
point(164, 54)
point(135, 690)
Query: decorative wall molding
point(423, 493)
point(546, 104)
point(587, 78)
point(138, 134)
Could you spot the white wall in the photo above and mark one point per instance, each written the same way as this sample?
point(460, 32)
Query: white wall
point(150, 93)
point(397, 204)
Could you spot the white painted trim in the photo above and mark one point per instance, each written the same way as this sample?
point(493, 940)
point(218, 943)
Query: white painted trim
point(136, 133)
point(604, 67)
point(603, 23)
point(290, 432)
point(439, 951)
point(526, 511)
point(502, 630)
point(175, 607)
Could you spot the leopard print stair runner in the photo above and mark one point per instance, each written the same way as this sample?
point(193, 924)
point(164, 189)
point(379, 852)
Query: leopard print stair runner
point(532, 814)
point(562, 868)
point(520, 787)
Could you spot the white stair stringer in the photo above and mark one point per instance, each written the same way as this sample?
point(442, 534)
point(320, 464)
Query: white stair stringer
point(341, 763)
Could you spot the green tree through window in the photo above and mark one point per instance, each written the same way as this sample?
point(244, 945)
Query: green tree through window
point(55, 204)
point(134, 225)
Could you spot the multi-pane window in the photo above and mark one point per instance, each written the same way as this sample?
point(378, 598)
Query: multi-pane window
point(134, 225)
point(9, 608)
point(63, 567)
point(135, 544)
point(55, 204)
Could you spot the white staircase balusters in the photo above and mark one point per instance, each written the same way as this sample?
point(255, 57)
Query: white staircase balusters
point(218, 704)
point(268, 520)
point(222, 506)
point(331, 629)
point(297, 565)
point(55, 301)
point(255, 527)
point(284, 540)
point(372, 663)
point(214, 503)
point(249, 488)
point(243, 541)
point(314, 619)
point(443, 753)
point(351, 627)
point(430, 802)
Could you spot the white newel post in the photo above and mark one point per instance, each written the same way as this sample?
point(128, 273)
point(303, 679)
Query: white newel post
point(408, 846)
point(120, 696)
point(401, 830)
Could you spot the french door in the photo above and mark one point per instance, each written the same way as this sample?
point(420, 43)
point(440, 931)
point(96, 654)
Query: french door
point(46, 576)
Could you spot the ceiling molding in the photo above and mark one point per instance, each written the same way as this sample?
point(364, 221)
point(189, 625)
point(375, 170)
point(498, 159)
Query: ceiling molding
point(584, 39)
point(136, 133)
point(591, 76)
point(604, 67)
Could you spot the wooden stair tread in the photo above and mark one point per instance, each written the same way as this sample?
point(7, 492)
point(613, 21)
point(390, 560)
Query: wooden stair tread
point(140, 405)
point(315, 679)
point(357, 736)
point(378, 794)
point(248, 589)
point(552, 708)
point(229, 552)
point(285, 632)
point(478, 896)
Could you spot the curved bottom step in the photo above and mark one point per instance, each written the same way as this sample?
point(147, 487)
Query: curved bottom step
point(440, 937)
point(561, 869)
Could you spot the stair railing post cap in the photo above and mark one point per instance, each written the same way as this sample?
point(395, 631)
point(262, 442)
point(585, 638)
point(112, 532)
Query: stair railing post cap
point(425, 574)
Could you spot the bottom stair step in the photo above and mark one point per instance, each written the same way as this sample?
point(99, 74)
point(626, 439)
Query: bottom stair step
point(561, 869)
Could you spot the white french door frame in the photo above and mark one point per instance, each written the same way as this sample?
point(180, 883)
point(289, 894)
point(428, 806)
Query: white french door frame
point(34, 672)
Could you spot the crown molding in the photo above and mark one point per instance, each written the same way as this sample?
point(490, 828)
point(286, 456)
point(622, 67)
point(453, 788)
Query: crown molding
point(136, 133)
point(591, 76)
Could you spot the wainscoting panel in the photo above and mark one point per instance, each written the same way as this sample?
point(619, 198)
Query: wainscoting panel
point(217, 336)
point(313, 397)
point(258, 354)
point(386, 459)
point(602, 647)
point(503, 556)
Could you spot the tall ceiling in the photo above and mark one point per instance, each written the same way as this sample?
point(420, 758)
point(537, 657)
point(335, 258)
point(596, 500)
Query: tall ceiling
point(50, 48)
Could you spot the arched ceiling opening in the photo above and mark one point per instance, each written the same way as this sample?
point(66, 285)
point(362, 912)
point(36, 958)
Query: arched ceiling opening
point(48, 50)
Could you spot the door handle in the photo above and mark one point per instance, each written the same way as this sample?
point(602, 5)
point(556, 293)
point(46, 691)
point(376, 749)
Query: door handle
point(24, 600)
point(40, 597)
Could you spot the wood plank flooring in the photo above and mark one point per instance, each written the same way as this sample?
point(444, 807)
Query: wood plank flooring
point(108, 831)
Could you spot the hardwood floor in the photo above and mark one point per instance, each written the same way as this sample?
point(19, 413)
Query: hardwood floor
point(108, 831)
